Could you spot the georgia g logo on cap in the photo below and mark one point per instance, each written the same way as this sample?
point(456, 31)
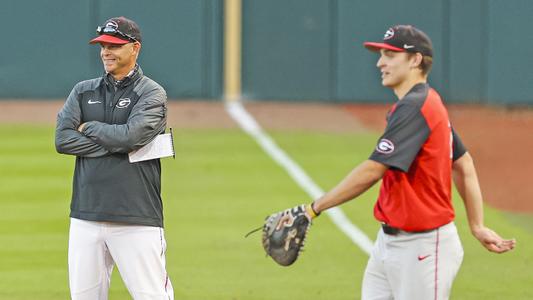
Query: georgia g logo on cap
point(388, 34)
point(112, 24)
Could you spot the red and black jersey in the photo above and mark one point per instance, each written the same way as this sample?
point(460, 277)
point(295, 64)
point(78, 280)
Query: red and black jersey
point(419, 147)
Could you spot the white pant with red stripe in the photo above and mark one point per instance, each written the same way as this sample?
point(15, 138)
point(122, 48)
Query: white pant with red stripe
point(138, 251)
point(413, 266)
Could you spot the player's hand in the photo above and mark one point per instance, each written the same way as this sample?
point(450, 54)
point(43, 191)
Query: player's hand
point(492, 241)
point(284, 233)
point(286, 219)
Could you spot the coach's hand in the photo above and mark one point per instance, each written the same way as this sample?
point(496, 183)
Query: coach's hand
point(80, 128)
point(492, 241)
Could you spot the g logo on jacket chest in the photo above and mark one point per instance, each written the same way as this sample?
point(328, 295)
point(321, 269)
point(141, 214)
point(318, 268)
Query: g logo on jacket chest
point(123, 103)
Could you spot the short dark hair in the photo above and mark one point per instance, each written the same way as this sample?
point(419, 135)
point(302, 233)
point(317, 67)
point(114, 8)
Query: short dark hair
point(425, 64)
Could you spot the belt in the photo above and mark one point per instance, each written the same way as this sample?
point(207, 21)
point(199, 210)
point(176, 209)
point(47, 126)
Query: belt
point(387, 229)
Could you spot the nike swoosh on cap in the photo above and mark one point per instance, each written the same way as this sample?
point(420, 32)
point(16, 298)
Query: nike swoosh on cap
point(405, 46)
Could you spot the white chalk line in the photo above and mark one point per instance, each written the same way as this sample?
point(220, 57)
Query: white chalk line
point(246, 121)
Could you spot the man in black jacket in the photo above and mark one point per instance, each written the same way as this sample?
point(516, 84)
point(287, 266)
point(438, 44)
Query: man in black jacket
point(116, 209)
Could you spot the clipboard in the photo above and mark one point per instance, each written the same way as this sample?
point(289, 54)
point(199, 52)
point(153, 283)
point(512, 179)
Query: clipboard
point(161, 146)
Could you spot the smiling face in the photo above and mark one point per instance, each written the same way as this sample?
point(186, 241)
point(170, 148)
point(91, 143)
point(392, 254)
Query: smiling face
point(399, 70)
point(394, 67)
point(118, 60)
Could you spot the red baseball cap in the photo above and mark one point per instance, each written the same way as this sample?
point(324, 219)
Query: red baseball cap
point(403, 38)
point(105, 38)
point(118, 31)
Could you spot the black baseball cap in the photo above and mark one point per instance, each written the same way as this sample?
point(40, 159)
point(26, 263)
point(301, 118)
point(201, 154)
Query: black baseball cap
point(403, 38)
point(119, 30)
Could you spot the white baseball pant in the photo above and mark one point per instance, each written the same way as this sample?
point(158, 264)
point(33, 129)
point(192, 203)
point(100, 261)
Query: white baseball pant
point(413, 266)
point(138, 251)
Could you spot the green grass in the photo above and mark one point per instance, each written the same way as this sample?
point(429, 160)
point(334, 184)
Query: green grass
point(220, 186)
point(483, 275)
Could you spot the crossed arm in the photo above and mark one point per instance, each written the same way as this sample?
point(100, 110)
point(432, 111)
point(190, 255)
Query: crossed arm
point(68, 140)
point(96, 139)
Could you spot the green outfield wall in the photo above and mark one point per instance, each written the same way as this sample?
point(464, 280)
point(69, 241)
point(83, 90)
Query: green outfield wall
point(45, 51)
point(312, 49)
point(292, 49)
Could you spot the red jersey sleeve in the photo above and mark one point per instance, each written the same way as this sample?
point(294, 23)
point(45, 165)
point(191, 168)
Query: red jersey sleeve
point(404, 136)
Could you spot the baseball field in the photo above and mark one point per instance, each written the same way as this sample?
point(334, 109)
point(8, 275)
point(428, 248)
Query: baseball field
point(222, 184)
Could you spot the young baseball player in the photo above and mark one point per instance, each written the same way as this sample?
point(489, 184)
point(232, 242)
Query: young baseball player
point(116, 209)
point(418, 251)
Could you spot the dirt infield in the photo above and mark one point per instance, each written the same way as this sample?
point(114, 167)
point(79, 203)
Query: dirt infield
point(498, 139)
point(208, 114)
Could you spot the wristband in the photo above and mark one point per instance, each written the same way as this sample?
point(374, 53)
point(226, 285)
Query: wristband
point(311, 211)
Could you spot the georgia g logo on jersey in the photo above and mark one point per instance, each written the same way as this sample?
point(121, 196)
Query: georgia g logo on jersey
point(385, 146)
point(123, 102)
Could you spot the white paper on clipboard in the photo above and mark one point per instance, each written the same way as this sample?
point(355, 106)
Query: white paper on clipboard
point(161, 146)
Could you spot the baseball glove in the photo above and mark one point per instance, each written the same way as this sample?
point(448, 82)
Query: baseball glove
point(284, 242)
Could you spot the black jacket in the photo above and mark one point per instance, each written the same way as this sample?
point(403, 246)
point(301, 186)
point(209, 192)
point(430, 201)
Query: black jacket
point(119, 117)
